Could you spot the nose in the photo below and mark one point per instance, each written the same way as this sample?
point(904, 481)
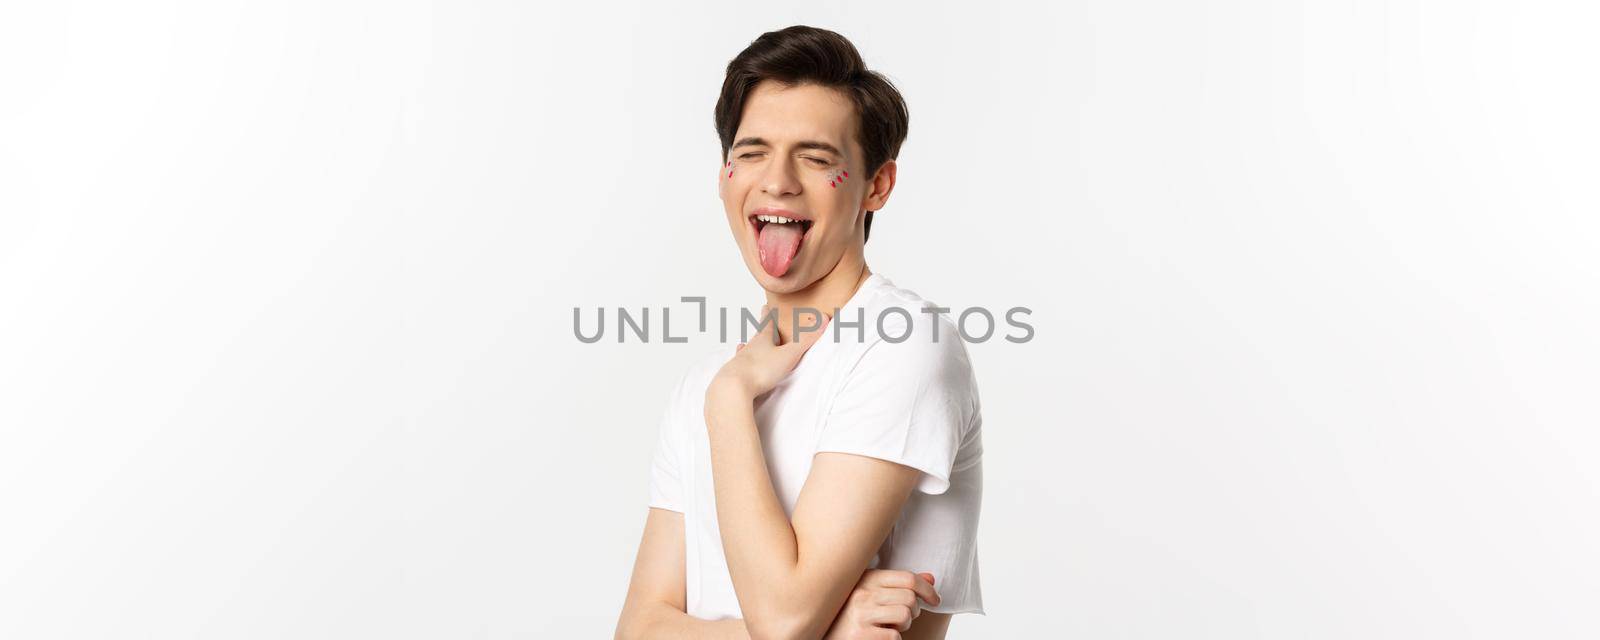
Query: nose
point(780, 178)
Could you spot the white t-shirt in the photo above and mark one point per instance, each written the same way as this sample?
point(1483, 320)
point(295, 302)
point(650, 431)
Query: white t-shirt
point(913, 402)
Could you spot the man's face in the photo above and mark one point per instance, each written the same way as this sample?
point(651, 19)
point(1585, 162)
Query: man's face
point(789, 158)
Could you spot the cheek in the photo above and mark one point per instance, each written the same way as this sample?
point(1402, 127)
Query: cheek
point(726, 179)
point(726, 187)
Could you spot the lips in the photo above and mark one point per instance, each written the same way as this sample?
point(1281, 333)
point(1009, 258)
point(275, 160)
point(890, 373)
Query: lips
point(779, 236)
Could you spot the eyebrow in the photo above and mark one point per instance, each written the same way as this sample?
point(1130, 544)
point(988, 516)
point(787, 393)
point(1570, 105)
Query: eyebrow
point(803, 144)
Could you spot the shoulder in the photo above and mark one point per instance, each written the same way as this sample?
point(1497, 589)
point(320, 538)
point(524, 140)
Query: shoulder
point(907, 338)
point(905, 329)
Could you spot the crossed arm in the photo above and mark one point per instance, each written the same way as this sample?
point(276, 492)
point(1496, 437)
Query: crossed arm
point(656, 604)
point(791, 577)
point(875, 610)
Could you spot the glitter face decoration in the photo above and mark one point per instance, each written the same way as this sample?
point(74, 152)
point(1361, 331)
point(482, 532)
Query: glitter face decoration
point(838, 178)
point(729, 167)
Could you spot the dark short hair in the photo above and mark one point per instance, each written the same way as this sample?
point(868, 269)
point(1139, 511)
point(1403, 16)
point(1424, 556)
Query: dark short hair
point(808, 55)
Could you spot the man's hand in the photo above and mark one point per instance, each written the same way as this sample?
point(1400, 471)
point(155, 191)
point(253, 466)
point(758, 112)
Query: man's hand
point(759, 366)
point(883, 604)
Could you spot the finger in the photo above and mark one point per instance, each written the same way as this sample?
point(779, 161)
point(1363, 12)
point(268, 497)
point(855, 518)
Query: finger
point(804, 339)
point(739, 348)
point(767, 330)
point(898, 616)
point(874, 576)
point(769, 333)
point(906, 615)
point(896, 596)
point(893, 578)
point(813, 337)
point(925, 590)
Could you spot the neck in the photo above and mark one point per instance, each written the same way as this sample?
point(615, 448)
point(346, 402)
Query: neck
point(825, 295)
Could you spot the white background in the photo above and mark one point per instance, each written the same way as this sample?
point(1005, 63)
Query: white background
point(286, 296)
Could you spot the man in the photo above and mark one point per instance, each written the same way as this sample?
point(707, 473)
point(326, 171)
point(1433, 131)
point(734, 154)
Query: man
point(790, 467)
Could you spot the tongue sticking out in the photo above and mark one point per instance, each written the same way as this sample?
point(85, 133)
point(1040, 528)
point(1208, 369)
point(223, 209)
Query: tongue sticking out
point(778, 244)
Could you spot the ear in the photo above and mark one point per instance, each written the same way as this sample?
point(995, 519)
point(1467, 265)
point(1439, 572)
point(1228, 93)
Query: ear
point(882, 184)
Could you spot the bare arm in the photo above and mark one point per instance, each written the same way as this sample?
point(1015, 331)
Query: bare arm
point(656, 600)
point(792, 578)
point(656, 603)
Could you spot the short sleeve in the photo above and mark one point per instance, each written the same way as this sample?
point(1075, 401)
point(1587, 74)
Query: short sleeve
point(908, 402)
point(666, 475)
